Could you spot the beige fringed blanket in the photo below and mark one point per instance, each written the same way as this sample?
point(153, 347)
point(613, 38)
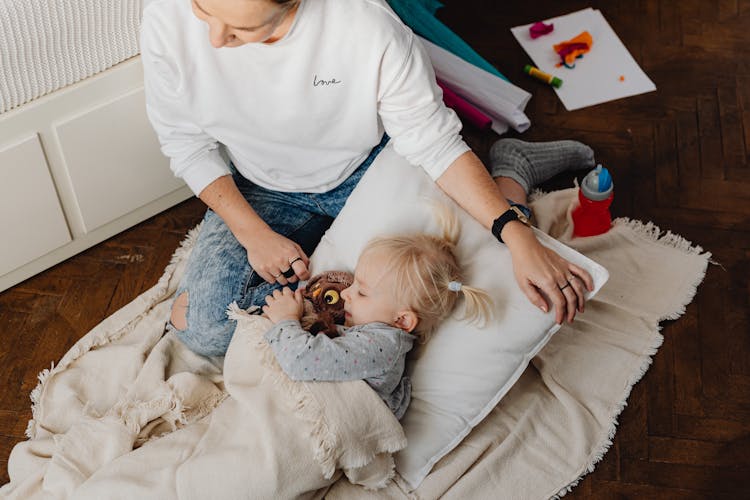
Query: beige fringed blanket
point(125, 384)
point(129, 412)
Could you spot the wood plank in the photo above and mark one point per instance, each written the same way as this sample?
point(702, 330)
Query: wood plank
point(694, 452)
point(710, 138)
point(687, 364)
point(661, 391)
point(692, 477)
point(632, 437)
point(732, 139)
point(667, 174)
point(710, 429)
point(743, 103)
point(607, 490)
point(728, 9)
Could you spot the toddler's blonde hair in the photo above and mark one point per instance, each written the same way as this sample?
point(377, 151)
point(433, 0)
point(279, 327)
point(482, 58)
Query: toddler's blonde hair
point(422, 267)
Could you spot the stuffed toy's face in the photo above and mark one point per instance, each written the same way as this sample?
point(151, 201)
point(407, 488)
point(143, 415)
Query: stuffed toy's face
point(324, 307)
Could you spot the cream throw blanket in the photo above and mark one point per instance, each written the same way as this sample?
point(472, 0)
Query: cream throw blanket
point(248, 434)
point(162, 422)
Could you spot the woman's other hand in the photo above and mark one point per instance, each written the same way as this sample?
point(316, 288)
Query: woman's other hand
point(539, 271)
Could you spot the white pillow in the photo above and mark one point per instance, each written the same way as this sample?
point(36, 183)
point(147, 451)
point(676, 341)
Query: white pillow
point(463, 371)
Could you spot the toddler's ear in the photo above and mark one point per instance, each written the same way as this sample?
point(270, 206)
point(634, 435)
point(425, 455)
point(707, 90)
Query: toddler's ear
point(407, 320)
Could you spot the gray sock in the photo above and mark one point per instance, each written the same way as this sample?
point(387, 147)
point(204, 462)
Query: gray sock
point(531, 163)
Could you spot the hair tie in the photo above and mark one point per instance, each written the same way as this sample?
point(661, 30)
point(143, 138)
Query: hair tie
point(455, 286)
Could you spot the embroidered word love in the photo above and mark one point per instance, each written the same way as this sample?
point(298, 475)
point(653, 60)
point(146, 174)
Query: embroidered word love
point(325, 83)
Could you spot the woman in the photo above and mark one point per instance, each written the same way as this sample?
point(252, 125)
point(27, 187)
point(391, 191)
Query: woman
point(301, 94)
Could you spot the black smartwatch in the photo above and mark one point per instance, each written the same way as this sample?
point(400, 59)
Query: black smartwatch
point(513, 213)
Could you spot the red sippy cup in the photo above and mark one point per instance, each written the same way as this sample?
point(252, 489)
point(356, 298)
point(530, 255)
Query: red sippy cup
point(591, 216)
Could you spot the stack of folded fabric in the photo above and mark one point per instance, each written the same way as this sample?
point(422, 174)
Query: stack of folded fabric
point(475, 89)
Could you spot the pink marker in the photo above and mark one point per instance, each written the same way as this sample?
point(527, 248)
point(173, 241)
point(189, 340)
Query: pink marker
point(464, 109)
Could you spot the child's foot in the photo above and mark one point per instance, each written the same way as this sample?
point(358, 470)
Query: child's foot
point(531, 163)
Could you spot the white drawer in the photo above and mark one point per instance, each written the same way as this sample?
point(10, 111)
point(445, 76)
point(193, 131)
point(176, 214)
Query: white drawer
point(31, 220)
point(112, 158)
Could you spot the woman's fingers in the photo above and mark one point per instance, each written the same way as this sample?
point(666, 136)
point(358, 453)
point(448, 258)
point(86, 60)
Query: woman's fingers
point(583, 275)
point(581, 281)
point(548, 280)
point(277, 259)
point(299, 264)
point(296, 268)
point(536, 298)
point(571, 301)
point(560, 301)
point(566, 296)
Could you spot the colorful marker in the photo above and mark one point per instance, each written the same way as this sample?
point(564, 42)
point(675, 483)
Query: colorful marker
point(541, 75)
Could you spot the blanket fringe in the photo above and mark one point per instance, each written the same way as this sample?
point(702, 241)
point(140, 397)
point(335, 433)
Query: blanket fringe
point(135, 414)
point(387, 479)
point(170, 408)
point(325, 442)
point(87, 343)
point(606, 442)
point(35, 396)
point(652, 232)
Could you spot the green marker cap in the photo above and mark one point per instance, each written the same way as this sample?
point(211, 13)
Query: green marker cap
point(556, 82)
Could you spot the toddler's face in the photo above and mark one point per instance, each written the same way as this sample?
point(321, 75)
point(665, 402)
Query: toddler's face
point(371, 297)
point(232, 23)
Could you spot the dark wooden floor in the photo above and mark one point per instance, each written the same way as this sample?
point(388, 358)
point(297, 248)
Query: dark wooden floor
point(680, 157)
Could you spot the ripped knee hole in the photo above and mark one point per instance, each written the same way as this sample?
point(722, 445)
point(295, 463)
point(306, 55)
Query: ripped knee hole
point(179, 312)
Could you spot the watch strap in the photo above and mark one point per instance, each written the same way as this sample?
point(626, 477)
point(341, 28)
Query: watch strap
point(509, 216)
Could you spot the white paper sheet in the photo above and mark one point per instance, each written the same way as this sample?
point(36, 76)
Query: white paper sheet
point(596, 77)
point(502, 101)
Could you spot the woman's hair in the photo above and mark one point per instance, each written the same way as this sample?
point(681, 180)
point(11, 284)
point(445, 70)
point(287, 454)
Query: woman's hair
point(428, 277)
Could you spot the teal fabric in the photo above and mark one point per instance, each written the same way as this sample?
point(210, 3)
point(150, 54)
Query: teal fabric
point(419, 15)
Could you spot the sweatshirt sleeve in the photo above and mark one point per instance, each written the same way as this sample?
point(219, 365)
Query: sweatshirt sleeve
point(411, 107)
point(361, 353)
point(193, 154)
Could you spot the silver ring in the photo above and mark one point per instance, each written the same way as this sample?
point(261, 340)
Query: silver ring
point(565, 286)
point(276, 276)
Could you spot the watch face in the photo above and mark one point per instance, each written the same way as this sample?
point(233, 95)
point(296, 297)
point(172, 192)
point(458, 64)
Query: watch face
point(521, 216)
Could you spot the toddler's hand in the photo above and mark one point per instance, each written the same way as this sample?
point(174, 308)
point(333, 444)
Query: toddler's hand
point(284, 304)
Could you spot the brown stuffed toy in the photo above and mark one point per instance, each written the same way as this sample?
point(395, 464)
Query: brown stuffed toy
point(324, 307)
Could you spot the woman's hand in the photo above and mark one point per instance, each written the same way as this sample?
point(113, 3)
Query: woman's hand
point(537, 269)
point(277, 259)
point(541, 270)
point(284, 304)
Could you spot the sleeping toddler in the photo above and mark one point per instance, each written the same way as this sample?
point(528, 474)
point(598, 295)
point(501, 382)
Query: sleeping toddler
point(403, 287)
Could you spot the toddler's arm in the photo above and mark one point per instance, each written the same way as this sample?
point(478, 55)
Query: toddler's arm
point(361, 353)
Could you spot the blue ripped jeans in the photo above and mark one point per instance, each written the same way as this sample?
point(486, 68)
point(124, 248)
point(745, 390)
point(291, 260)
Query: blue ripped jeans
point(218, 272)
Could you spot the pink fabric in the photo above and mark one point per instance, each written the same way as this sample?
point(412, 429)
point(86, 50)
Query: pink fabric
point(464, 109)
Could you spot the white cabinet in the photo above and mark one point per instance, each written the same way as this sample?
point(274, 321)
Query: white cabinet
point(76, 167)
point(31, 222)
point(113, 160)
